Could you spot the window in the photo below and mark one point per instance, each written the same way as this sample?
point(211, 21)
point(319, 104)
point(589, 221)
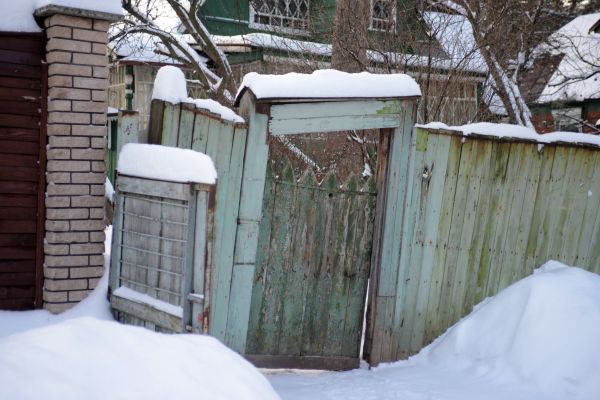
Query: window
point(280, 15)
point(568, 119)
point(383, 15)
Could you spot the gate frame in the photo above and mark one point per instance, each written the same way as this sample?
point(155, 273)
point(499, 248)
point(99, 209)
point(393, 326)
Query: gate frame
point(395, 118)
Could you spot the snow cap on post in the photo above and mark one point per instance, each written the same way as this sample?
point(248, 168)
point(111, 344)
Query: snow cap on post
point(329, 84)
point(108, 10)
point(165, 163)
point(170, 85)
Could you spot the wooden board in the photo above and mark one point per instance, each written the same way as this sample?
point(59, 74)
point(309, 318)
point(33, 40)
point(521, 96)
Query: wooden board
point(22, 166)
point(498, 209)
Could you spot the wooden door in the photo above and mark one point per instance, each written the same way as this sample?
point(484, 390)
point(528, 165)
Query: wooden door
point(22, 166)
point(312, 266)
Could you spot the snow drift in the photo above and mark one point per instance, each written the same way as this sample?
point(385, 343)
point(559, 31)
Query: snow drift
point(87, 358)
point(542, 330)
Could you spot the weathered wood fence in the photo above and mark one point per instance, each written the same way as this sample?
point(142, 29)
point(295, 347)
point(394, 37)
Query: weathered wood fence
point(312, 266)
point(161, 257)
point(479, 214)
point(456, 220)
point(186, 126)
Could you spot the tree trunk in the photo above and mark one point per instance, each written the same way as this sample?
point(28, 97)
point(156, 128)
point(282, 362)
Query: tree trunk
point(350, 35)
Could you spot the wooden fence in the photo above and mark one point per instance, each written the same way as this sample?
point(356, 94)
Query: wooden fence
point(464, 217)
point(312, 266)
point(481, 213)
point(185, 126)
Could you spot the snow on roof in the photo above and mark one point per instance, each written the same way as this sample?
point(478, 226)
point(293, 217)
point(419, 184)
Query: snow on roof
point(516, 132)
point(581, 49)
point(17, 15)
point(166, 164)
point(170, 85)
point(329, 84)
point(274, 42)
point(455, 35)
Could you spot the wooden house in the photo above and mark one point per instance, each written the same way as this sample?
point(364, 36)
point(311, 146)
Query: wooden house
point(562, 86)
point(258, 37)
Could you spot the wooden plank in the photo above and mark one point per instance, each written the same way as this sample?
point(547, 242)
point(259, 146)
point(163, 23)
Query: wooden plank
point(170, 127)
point(541, 205)
point(296, 273)
point(155, 126)
point(258, 302)
point(358, 266)
point(147, 313)
point(19, 174)
point(332, 124)
point(408, 230)
point(26, 266)
point(128, 130)
point(304, 362)
point(579, 174)
point(20, 107)
point(16, 280)
point(200, 242)
point(585, 250)
point(317, 286)
point(434, 182)
point(372, 345)
point(20, 57)
point(186, 126)
point(150, 187)
point(385, 336)
point(21, 71)
point(21, 292)
point(21, 83)
point(335, 109)
point(475, 287)
point(253, 183)
point(201, 132)
point(19, 146)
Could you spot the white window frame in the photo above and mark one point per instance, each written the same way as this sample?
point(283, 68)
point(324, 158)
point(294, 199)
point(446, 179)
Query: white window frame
point(276, 28)
point(391, 28)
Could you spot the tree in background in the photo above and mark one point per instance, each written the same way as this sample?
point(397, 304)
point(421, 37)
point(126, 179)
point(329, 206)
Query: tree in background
point(182, 36)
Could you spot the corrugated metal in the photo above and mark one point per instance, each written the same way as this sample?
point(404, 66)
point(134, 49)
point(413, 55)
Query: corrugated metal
point(22, 97)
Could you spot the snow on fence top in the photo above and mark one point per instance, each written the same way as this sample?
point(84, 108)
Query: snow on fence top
point(166, 164)
point(17, 15)
point(170, 85)
point(329, 84)
point(516, 132)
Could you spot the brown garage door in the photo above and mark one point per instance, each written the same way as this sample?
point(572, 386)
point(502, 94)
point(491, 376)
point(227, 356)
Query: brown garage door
point(22, 160)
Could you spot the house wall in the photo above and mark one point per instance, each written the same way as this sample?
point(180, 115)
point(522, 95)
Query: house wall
point(543, 120)
point(76, 170)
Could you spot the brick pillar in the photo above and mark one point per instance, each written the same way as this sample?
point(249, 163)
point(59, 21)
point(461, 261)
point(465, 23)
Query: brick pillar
point(76, 169)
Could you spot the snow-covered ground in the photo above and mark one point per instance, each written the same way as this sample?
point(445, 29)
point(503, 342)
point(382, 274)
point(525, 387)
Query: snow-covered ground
point(84, 354)
point(537, 339)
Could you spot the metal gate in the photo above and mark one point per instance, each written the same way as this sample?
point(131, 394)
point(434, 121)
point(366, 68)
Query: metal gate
point(22, 165)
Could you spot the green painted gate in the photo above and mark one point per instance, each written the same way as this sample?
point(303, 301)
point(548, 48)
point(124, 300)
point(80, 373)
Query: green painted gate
point(312, 267)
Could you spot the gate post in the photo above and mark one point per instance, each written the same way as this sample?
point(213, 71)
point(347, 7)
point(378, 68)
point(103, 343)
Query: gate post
point(76, 168)
point(383, 323)
point(230, 308)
